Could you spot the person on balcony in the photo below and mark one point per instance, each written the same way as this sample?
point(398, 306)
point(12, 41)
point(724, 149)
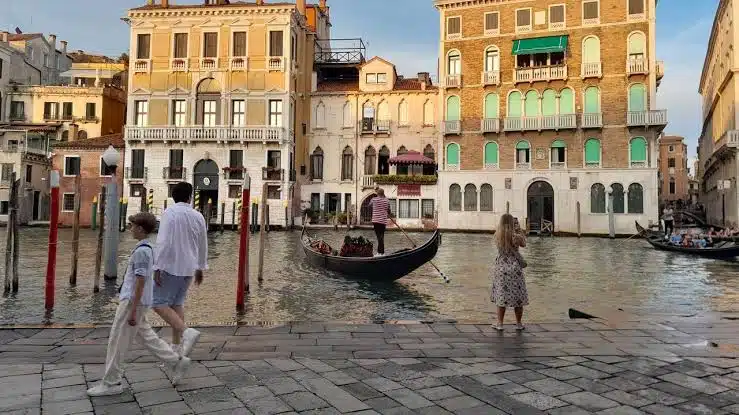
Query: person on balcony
point(380, 214)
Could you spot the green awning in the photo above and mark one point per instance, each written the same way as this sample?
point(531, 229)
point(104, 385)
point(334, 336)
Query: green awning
point(522, 145)
point(559, 144)
point(547, 44)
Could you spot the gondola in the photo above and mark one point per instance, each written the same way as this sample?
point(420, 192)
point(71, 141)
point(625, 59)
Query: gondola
point(720, 250)
point(389, 267)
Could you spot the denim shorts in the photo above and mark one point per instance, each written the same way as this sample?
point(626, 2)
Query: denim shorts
point(172, 291)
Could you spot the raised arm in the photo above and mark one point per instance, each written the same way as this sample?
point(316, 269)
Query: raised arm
point(163, 241)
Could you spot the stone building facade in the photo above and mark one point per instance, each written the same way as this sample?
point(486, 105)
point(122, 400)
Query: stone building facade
point(549, 109)
point(673, 169)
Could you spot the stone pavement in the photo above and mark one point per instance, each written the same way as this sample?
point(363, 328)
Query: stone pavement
point(658, 366)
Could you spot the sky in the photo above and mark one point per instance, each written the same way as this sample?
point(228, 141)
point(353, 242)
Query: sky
point(406, 32)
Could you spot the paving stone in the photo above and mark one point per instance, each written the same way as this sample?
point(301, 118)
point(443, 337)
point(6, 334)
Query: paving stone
point(626, 398)
point(698, 408)
point(189, 384)
point(304, 401)
point(621, 410)
point(63, 373)
point(20, 402)
point(66, 381)
point(285, 365)
point(690, 382)
point(284, 385)
point(491, 396)
point(522, 376)
point(458, 403)
point(590, 385)
point(568, 410)
point(382, 384)
point(659, 396)
point(114, 399)
point(67, 407)
point(382, 403)
point(144, 375)
point(674, 389)
point(421, 383)
point(172, 408)
point(408, 398)
point(558, 374)
point(338, 377)
point(125, 408)
point(589, 401)
point(623, 384)
point(539, 400)
point(65, 393)
point(511, 388)
point(157, 397)
point(586, 372)
point(210, 399)
point(439, 392)
point(489, 379)
point(337, 397)
point(362, 391)
point(552, 387)
point(303, 374)
point(17, 370)
point(151, 385)
point(658, 409)
point(315, 365)
point(234, 376)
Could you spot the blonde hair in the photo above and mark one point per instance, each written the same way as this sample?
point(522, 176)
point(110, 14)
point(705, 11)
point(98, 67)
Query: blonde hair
point(505, 234)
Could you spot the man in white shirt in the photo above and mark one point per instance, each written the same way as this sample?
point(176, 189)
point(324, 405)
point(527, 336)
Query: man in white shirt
point(182, 253)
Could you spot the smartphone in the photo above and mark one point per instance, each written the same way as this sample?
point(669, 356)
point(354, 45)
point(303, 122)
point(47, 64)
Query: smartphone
point(516, 224)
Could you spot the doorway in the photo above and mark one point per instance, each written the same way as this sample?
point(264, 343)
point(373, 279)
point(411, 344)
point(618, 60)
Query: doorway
point(365, 212)
point(206, 177)
point(540, 203)
point(36, 205)
point(333, 202)
point(383, 161)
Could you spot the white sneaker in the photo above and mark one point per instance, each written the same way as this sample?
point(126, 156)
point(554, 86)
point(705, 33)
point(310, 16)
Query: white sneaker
point(177, 348)
point(520, 327)
point(179, 370)
point(102, 389)
point(189, 338)
point(378, 255)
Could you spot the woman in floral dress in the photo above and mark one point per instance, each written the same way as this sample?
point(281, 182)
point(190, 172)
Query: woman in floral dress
point(509, 286)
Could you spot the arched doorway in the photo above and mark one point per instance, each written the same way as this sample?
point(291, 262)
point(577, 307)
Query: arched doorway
point(540, 202)
point(365, 212)
point(205, 179)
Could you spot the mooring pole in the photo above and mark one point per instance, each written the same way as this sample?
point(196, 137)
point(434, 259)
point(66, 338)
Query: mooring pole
point(578, 219)
point(53, 233)
point(76, 230)
point(262, 229)
point(242, 285)
point(223, 215)
point(101, 234)
point(9, 235)
point(16, 239)
point(94, 213)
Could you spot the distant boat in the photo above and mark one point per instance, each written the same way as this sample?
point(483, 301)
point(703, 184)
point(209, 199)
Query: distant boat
point(720, 250)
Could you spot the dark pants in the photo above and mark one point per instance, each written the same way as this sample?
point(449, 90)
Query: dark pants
point(380, 233)
point(669, 227)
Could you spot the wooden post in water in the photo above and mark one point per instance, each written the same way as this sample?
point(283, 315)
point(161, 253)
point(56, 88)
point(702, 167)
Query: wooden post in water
point(577, 207)
point(16, 239)
point(262, 229)
point(124, 214)
point(94, 218)
point(76, 230)
point(233, 216)
point(223, 215)
point(101, 233)
point(208, 213)
point(9, 234)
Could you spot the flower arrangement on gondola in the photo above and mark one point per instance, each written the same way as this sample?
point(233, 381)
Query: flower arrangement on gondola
point(356, 247)
point(321, 247)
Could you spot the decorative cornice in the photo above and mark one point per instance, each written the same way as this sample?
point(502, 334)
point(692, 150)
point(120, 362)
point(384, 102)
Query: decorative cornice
point(711, 43)
point(210, 11)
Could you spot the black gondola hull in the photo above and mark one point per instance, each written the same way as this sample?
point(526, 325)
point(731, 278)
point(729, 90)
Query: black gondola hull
point(657, 241)
point(385, 268)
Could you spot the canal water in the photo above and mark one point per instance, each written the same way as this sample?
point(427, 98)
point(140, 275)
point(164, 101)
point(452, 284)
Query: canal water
point(562, 273)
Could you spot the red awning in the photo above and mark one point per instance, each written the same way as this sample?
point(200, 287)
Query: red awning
point(411, 157)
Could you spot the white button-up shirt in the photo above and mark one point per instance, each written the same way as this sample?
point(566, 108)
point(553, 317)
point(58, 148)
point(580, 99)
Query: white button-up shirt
point(182, 241)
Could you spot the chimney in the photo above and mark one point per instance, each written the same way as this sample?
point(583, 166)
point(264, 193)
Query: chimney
point(301, 7)
point(424, 77)
point(260, 2)
point(5, 37)
point(165, 3)
point(73, 130)
point(64, 48)
point(149, 2)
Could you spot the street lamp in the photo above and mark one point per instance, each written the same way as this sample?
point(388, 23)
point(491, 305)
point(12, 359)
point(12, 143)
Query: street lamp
point(111, 158)
point(611, 218)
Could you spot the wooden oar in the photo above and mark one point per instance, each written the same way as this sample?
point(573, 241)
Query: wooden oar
point(446, 280)
point(624, 241)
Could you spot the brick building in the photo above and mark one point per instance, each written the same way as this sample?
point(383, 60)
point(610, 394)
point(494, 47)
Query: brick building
point(84, 157)
point(547, 105)
point(673, 168)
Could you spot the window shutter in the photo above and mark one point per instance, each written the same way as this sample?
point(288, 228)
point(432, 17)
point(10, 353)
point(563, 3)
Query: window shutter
point(143, 46)
point(453, 26)
point(211, 45)
point(590, 10)
point(557, 14)
point(180, 45)
point(636, 6)
point(239, 44)
point(491, 21)
point(523, 17)
point(275, 43)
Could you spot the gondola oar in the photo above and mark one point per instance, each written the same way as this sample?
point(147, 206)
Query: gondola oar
point(446, 280)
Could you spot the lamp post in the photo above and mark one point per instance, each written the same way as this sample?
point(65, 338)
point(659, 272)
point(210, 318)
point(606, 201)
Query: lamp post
point(111, 157)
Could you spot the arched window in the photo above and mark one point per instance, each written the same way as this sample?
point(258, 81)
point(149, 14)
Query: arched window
point(637, 46)
point(454, 63)
point(637, 98)
point(492, 59)
point(672, 186)
point(65, 135)
point(452, 156)
point(491, 106)
point(618, 198)
point(638, 152)
point(514, 104)
point(486, 198)
point(523, 155)
point(591, 50)
point(402, 169)
point(531, 105)
point(370, 161)
point(428, 151)
point(403, 113)
point(597, 198)
point(82, 135)
point(455, 198)
point(491, 155)
point(566, 101)
point(452, 108)
point(548, 102)
point(402, 150)
point(320, 115)
point(368, 116)
point(636, 198)
point(470, 198)
point(558, 154)
point(592, 100)
point(428, 112)
point(316, 164)
point(592, 153)
point(348, 119)
point(383, 161)
point(347, 164)
point(383, 116)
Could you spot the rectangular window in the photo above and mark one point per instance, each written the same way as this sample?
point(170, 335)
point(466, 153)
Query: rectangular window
point(558, 155)
point(143, 46)
point(210, 113)
point(273, 192)
point(672, 187)
point(137, 163)
point(523, 20)
point(393, 206)
point(210, 45)
point(175, 159)
point(141, 113)
point(454, 27)
point(1, 69)
point(67, 110)
point(274, 159)
point(238, 115)
point(179, 112)
point(293, 47)
point(671, 162)
point(381, 78)
point(4, 207)
point(492, 25)
point(17, 110)
point(105, 170)
point(427, 208)
point(180, 45)
point(68, 202)
point(137, 190)
point(557, 16)
point(636, 7)
point(239, 44)
point(275, 43)
point(90, 110)
point(7, 171)
point(671, 148)
point(234, 192)
point(236, 164)
point(408, 208)
point(275, 112)
point(51, 110)
point(371, 78)
point(590, 11)
point(71, 165)
point(29, 173)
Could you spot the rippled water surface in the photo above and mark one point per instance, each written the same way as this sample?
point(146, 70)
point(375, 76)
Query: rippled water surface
point(562, 273)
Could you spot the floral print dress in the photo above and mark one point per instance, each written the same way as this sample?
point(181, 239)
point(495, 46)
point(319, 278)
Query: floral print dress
point(509, 285)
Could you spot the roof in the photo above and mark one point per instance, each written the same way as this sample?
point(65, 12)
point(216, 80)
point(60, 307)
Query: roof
point(352, 85)
point(201, 5)
point(82, 57)
point(95, 143)
point(12, 37)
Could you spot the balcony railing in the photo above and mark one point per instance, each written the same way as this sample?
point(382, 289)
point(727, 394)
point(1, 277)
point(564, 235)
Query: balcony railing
point(208, 63)
point(452, 127)
point(491, 78)
point(276, 63)
point(52, 117)
point(592, 120)
point(592, 164)
point(544, 73)
point(142, 65)
point(660, 71)
point(558, 165)
point(179, 64)
point(639, 164)
point(591, 70)
point(382, 126)
point(646, 118)
point(17, 117)
point(636, 66)
point(174, 173)
point(67, 117)
point(523, 165)
point(543, 122)
point(201, 133)
point(492, 166)
point(137, 173)
point(453, 81)
point(452, 167)
point(233, 173)
point(729, 139)
point(10, 148)
point(368, 181)
point(273, 174)
point(239, 64)
point(490, 125)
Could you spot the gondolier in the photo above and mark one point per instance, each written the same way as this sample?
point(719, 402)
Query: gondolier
point(380, 213)
point(667, 216)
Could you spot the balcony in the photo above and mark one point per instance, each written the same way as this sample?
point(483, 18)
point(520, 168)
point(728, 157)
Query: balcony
point(208, 63)
point(729, 140)
point(592, 120)
point(544, 73)
point(523, 165)
point(394, 179)
point(87, 119)
point(67, 117)
point(136, 174)
point(660, 71)
point(453, 81)
point(539, 123)
point(490, 125)
point(52, 117)
point(273, 174)
point(558, 165)
point(142, 66)
point(368, 182)
point(591, 70)
point(657, 118)
point(637, 66)
point(10, 148)
point(340, 51)
point(491, 78)
point(276, 64)
point(452, 127)
point(17, 117)
point(373, 126)
point(219, 134)
point(233, 173)
point(239, 64)
point(452, 167)
point(179, 65)
point(174, 173)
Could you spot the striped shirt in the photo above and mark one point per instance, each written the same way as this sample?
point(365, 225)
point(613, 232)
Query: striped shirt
point(380, 209)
